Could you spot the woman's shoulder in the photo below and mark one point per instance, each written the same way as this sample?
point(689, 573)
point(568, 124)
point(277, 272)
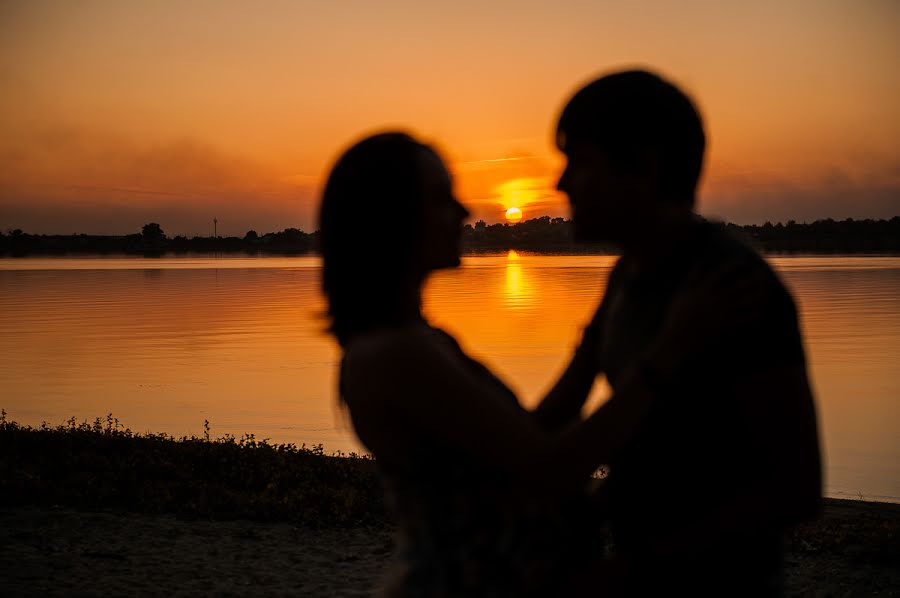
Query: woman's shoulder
point(386, 345)
point(380, 359)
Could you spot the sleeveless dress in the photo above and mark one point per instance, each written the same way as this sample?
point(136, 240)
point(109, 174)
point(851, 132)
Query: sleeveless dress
point(467, 530)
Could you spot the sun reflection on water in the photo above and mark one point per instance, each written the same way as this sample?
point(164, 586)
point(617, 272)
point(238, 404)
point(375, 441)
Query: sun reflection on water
point(518, 290)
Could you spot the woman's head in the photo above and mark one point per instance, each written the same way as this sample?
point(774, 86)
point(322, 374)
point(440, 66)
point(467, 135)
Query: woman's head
point(387, 218)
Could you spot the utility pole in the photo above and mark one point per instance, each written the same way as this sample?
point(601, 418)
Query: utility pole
point(215, 228)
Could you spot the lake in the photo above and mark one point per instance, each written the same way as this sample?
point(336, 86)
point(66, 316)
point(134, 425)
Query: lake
point(167, 343)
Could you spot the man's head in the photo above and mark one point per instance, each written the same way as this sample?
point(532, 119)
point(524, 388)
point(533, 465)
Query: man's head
point(634, 144)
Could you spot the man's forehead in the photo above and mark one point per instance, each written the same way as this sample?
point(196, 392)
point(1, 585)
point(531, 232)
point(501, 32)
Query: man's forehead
point(581, 149)
point(434, 165)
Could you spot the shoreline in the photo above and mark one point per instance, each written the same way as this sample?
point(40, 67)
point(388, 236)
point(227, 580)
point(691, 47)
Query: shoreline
point(60, 551)
point(539, 233)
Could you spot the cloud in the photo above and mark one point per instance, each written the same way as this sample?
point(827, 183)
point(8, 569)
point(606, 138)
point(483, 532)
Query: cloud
point(61, 180)
point(832, 193)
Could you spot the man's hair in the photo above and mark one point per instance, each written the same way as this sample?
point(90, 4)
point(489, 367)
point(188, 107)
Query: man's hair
point(629, 114)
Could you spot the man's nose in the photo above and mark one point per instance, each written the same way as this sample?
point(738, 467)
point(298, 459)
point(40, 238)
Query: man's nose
point(463, 212)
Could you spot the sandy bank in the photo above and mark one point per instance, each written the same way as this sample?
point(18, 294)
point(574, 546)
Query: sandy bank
point(64, 552)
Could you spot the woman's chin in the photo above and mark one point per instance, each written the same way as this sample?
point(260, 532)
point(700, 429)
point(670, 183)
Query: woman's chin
point(448, 262)
point(447, 255)
point(451, 263)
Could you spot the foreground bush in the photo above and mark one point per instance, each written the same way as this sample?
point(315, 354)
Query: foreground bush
point(102, 465)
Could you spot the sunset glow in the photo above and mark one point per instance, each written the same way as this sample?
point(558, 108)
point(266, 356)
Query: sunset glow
point(117, 114)
point(583, 297)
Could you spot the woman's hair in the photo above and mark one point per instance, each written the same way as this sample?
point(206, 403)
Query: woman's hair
point(370, 223)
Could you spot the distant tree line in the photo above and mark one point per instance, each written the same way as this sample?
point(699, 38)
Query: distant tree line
point(821, 236)
point(824, 236)
point(152, 240)
point(538, 234)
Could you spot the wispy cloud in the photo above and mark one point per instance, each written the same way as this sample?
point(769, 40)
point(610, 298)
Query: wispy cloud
point(60, 179)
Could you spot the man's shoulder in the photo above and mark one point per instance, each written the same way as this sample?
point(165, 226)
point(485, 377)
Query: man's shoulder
point(398, 351)
point(775, 333)
point(716, 248)
point(715, 240)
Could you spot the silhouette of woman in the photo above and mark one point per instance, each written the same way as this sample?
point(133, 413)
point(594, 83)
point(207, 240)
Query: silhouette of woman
point(488, 497)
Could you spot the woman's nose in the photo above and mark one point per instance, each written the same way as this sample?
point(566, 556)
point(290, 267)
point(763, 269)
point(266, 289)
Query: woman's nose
point(563, 183)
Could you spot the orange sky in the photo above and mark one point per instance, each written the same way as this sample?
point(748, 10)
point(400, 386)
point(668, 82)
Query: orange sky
point(113, 114)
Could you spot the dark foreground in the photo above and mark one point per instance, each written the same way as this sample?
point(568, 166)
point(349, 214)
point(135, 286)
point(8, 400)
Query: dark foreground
point(94, 509)
point(63, 552)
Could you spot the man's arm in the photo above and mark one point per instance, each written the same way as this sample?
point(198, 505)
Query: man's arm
point(771, 390)
point(786, 486)
point(779, 410)
point(562, 405)
point(776, 403)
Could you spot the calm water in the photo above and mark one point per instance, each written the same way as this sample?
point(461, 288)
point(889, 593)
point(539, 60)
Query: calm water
point(165, 343)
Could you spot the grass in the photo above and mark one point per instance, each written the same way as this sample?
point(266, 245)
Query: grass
point(103, 465)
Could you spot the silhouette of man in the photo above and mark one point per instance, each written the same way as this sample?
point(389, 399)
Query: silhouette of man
point(728, 458)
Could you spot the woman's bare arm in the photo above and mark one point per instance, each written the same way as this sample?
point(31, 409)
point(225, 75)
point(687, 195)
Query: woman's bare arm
point(404, 386)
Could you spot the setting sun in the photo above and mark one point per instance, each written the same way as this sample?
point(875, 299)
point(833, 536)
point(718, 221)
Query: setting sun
point(514, 214)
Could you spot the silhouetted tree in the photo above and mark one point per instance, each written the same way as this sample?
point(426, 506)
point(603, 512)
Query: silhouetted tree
point(251, 235)
point(152, 232)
